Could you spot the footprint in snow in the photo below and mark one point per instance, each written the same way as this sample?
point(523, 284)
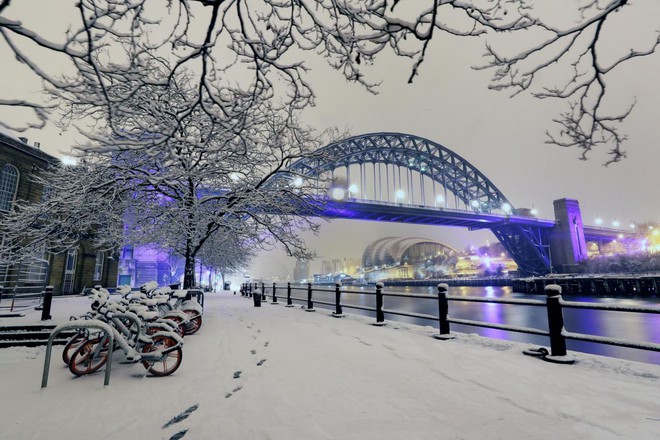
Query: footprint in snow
point(181, 417)
point(253, 351)
point(179, 435)
point(237, 374)
point(266, 344)
point(235, 390)
point(261, 362)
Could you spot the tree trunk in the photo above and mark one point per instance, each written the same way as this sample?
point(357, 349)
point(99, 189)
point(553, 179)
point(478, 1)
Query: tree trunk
point(189, 271)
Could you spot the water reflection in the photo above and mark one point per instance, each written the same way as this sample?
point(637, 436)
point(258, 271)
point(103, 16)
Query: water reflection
point(630, 326)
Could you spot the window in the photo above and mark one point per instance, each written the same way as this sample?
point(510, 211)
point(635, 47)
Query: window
point(98, 266)
point(8, 187)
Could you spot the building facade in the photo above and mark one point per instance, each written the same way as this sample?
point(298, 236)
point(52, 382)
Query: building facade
point(69, 273)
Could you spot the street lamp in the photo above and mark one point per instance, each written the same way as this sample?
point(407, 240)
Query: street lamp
point(439, 200)
point(599, 221)
point(616, 223)
point(353, 188)
point(399, 194)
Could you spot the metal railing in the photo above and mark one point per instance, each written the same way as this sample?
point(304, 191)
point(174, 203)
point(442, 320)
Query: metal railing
point(553, 303)
point(22, 285)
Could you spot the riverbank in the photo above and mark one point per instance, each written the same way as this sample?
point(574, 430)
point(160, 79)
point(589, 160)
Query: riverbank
point(281, 373)
point(623, 286)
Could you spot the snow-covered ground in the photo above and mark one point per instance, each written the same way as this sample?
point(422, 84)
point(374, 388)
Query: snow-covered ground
point(281, 373)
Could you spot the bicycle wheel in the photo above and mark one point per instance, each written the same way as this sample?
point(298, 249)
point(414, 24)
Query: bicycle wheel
point(71, 346)
point(180, 329)
point(89, 357)
point(193, 324)
point(169, 363)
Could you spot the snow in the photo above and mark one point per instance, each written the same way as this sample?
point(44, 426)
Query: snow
point(278, 373)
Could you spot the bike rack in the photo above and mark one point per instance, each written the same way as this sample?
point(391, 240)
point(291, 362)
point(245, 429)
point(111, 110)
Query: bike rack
point(92, 323)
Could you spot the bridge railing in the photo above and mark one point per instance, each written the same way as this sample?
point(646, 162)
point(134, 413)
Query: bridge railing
point(553, 304)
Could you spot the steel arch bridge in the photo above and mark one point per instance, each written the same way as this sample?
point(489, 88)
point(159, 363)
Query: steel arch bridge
point(430, 173)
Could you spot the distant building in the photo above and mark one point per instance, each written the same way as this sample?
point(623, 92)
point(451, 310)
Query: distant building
point(69, 273)
point(301, 270)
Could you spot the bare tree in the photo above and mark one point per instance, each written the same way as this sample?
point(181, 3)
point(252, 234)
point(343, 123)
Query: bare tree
point(243, 52)
point(176, 180)
point(78, 203)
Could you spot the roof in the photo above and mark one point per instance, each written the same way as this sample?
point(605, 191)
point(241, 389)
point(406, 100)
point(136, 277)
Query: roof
point(27, 149)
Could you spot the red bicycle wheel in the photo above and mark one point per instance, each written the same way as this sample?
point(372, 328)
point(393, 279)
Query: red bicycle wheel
point(169, 363)
point(89, 357)
point(194, 324)
point(71, 346)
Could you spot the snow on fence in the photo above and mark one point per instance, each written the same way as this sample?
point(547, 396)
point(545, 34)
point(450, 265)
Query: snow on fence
point(553, 303)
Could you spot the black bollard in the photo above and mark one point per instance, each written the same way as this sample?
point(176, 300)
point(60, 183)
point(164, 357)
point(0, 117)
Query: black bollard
point(48, 300)
point(274, 294)
point(263, 292)
point(310, 304)
point(555, 326)
point(380, 315)
point(443, 311)
point(338, 310)
point(289, 302)
point(257, 298)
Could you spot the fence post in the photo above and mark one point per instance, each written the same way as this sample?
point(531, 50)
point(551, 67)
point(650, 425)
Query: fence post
point(48, 300)
point(555, 326)
point(338, 311)
point(263, 291)
point(443, 311)
point(380, 316)
point(289, 302)
point(2, 290)
point(274, 295)
point(249, 295)
point(310, 304)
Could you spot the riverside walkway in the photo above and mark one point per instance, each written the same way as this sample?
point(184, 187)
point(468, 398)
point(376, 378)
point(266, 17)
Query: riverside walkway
point(281, 373)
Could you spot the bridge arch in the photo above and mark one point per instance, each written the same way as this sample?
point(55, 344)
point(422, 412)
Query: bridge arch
point(525, 239)
point(425, 157)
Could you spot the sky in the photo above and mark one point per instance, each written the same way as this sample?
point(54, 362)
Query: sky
point(450, 103)
point(263, 373)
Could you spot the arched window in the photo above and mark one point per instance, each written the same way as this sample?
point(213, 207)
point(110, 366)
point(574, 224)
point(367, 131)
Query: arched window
point(8, 187)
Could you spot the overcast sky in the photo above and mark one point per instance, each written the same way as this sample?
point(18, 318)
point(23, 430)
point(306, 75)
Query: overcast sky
point(503, 137)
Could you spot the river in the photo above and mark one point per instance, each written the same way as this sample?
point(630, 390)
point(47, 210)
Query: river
point(622, 325)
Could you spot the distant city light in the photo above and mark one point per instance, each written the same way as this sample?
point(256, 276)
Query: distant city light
point(338, 193)
point(632, 226)
point(506, 208)
point(439, 199)
point(69, 161)
point(599, 221)
point(399, 194)
point(353, 188)
point(616, 223)
point(534, 212)
point(475, 203)
point(620, 236)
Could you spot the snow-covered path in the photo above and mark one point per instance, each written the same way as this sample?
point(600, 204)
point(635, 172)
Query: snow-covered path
point(281, 373)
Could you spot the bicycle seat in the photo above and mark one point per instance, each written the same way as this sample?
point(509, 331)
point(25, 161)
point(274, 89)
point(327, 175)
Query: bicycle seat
point(180, 293)
point(147, 315)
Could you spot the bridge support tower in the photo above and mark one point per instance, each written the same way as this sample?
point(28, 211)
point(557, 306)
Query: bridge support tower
point(567, 244)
